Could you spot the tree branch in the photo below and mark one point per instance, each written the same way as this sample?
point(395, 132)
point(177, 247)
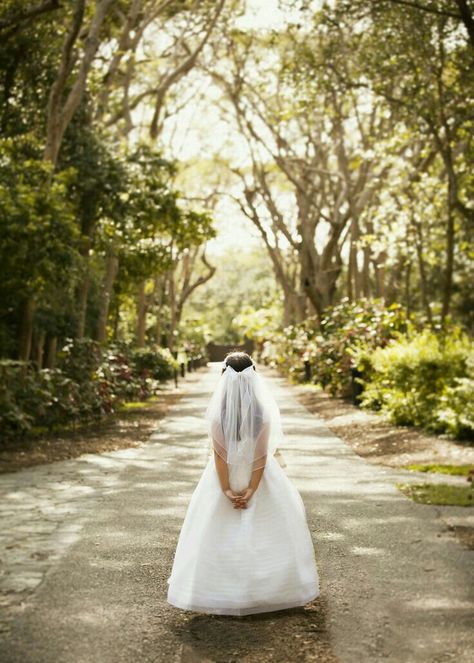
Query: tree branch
point(467, 19)
point(181, 71)
point(428, 9)
point(14, 20)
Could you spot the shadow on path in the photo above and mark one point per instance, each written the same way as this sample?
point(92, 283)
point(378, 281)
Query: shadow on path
point(395, 586)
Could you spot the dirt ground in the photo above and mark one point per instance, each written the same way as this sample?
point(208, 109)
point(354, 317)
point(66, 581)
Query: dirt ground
point(380, 442)
point(130, 428)
point(289, 635)
point(115, 573)
point(103, 597)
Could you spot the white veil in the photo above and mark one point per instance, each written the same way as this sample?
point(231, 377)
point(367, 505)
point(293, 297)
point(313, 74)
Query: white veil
point(243, 418)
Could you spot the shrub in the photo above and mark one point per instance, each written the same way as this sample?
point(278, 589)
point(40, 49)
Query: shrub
point(116, 378)
point(455, 410)
point(89, 382)
point(158, 363)
point(424, 381)
point(15, 382)
point(334, 347)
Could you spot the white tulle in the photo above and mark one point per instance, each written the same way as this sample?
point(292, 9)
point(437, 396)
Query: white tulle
point(243, 419)
point(246, 561)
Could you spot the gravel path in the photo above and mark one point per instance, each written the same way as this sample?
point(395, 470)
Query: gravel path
point(87, 546)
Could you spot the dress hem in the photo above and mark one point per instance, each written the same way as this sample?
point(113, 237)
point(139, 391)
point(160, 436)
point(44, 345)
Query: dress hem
point(240, 612)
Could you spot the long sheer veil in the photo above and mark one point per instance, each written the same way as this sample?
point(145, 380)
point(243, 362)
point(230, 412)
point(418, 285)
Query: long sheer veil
point(243, 418)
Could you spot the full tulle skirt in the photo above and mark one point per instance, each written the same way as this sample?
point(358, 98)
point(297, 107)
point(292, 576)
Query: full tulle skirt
point(243, 561)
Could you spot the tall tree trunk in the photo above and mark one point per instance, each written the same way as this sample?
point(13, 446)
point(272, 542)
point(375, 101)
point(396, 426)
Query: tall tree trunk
point(160, 285)
point(173, 317)
point(299, 307)
point(379, 264)
point(39, 349)
point(319, 273)
point(51, 351)
point(366, 290)
point(353, 289)
point(294, 307)
point(141, 314)
point(26, 329)
point(408, 287)
point(422, 271)
point(449, 268)
point(82, 296)
point(467, 19)
point(107, 287)
point(367, 260)
point(61, 110)
point(116, 322)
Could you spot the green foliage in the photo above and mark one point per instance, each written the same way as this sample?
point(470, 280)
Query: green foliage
point(155, 228)
point(438, 493)
point(15, 383)
point(158, 364)
point(38, 248)
point(245, 283)
point(455, 412)
point(456, 470)
point(424, 380)
point(194, 337)
point(25, 80)
point(416, 378)
point(331, 349)
point(258, 324)
point(88, 383)
point(99, 187)
point(414, 117)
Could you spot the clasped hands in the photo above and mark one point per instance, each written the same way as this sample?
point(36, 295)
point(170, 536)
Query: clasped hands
point(239, 499)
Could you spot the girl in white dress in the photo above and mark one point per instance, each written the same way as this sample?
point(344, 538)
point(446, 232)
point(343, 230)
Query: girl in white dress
point(244, 546)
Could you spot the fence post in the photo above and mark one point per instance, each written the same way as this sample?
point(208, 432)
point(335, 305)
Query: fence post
point(356, 386)
point(175, 370)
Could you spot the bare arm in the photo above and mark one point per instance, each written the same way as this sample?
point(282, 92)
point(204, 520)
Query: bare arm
point(255, 478)
point(223, 474)
point(261, 448)
point(239, 500)
point(221, 465)
point(252, 487)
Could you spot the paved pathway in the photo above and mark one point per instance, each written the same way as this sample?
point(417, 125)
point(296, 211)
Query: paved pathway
point(87, 546)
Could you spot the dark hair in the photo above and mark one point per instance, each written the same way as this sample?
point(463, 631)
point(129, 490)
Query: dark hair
point(238, 361)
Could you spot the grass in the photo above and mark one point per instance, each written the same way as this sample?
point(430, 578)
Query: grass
point(133, 405)
point(441, 493)
point(459, 470)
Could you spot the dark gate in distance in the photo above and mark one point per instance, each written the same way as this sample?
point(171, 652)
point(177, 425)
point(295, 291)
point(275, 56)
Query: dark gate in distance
point(218, 351)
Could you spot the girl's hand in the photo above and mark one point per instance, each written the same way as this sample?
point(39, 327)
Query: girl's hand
point(246, 495)
point(235, 498)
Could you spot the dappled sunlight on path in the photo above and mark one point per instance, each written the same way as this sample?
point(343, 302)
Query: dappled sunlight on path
point(398, 584)
point(90, 542)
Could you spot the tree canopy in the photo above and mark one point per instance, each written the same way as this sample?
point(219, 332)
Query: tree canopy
point(338, 134)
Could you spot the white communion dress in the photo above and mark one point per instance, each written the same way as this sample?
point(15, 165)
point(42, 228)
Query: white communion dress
point(244, 561)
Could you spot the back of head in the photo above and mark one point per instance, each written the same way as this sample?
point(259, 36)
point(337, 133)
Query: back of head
point(243, 416)
point(238, 361)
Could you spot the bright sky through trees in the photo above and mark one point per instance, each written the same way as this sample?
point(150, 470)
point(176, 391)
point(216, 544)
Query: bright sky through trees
point(198, 132)
point(331, 141)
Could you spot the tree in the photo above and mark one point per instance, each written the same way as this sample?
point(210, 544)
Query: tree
point(69, 85)
point(39, 248)
point(323, 159)
point(427, 83)
point(156, 238)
